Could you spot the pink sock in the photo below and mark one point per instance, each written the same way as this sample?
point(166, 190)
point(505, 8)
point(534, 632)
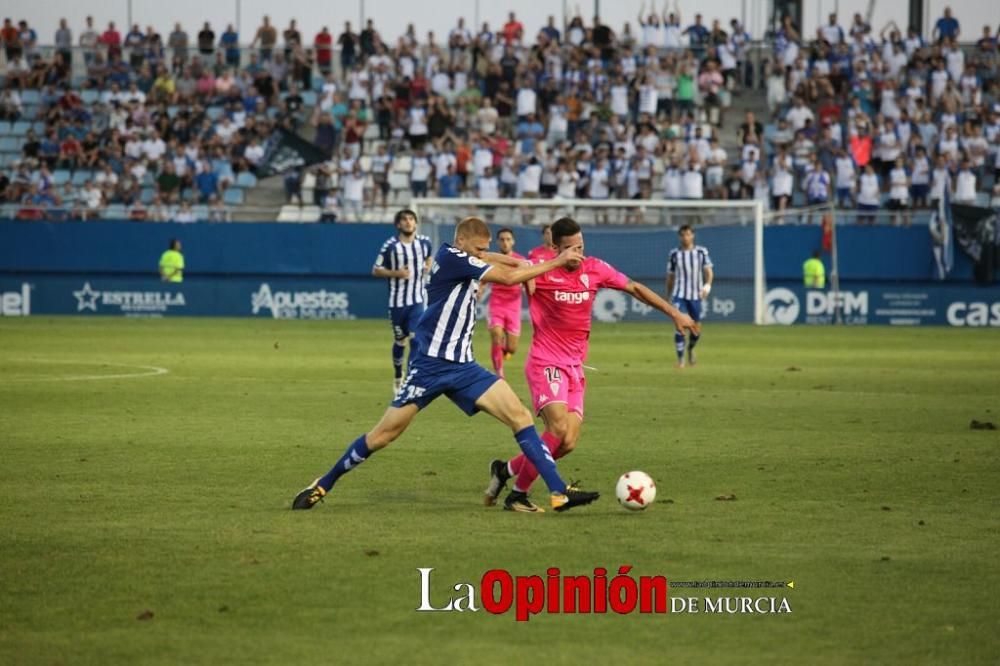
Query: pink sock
point(526, 473)
point(496, 353)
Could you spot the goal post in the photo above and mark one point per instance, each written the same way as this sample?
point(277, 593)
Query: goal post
point(636, 236)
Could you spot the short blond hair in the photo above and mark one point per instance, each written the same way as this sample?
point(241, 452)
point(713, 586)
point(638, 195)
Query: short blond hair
point(473, 227)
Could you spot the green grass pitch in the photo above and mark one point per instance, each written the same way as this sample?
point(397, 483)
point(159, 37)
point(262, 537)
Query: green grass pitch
point(848, 450)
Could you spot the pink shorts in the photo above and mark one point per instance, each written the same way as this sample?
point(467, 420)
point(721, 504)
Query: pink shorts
point(506, 317)
point(550, 383)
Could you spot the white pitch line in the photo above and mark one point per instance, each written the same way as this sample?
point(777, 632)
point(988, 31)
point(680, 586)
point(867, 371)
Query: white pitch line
point(149, 371)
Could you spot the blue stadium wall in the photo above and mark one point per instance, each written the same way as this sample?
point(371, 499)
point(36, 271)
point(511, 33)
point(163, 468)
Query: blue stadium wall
point(323, 271)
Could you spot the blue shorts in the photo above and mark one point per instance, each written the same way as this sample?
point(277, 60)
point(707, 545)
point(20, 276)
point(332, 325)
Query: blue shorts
point(404, 320)
point(430, 377)
point(689, 306)
point(920, 191)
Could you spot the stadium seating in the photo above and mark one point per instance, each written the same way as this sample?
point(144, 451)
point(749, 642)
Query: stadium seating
point(811, 74)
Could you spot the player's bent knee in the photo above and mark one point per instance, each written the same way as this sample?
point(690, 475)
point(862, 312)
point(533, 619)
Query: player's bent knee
point(558, 427)
point(521, 419)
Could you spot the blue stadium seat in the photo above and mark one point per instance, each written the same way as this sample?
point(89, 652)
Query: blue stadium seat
point(147, 194)
point(317, 83)
point(116, 211)
point(10, 144)
point(20, 127)
point(61, 176)
point(8, 211)
point(214, 112)
point(233, 197)
point(31, 96)
point(172, 111)
point(4, 128)
point(309, 97)
point(89, 96)
point(82, 176)
point(246, 179)
point(39, 128)
point(200, 212)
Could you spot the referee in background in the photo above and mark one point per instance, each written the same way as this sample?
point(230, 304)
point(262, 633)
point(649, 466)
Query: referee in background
point(689, 281)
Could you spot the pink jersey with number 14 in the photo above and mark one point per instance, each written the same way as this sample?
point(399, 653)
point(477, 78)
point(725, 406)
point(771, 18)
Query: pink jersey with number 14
point(561, 310)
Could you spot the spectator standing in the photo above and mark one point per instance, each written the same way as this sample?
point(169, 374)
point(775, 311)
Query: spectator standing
point(353, 193)
point(230, 41)
point(89, 39)
point(178, 41)
point(206, 40)
point(869, 195)
point(946, 27)
point(323, 45)
point(348, 43)
point(64, 42)
point(267, 37)
point(420, 173)
point(293, 39)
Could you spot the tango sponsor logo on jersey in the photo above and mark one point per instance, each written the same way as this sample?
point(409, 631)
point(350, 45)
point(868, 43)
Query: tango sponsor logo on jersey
point(498, 592)
point(16, 303)
point(576, 297)
point(128, 302)
point(318, 304)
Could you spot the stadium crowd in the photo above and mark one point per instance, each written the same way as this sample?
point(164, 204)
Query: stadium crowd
point(173, 128)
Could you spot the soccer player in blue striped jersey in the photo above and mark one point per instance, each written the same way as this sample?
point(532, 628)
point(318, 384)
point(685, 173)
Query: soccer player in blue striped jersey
point(689, 281)
point(443, 363)
point(404, 261)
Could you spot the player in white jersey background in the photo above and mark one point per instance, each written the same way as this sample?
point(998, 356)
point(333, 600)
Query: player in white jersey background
point(404, 261)
point(689, 281)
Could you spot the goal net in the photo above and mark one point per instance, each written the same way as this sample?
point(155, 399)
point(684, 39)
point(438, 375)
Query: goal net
point(636, 237)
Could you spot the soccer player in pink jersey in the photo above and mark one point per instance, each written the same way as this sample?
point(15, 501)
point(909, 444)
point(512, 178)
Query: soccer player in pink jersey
point(561, 308)
point(505, 309)
point(546, 250)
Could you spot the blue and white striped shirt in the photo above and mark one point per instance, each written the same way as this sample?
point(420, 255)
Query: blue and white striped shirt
point(688, 269)
point(394, 255)
point(445, 330)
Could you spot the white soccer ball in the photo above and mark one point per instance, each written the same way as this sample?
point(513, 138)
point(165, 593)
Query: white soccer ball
point(635, 490)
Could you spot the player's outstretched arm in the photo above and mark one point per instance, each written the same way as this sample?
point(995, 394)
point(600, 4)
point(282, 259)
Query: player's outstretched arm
point(646, 295)
point(500, 259)
point(503, 274)
point(380, 272)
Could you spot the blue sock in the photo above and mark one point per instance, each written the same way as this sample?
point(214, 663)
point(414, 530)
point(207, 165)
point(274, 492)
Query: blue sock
point(355, 454)
point(679, 343)
point(539, 455)
point(397, 359)
point(693, 340)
